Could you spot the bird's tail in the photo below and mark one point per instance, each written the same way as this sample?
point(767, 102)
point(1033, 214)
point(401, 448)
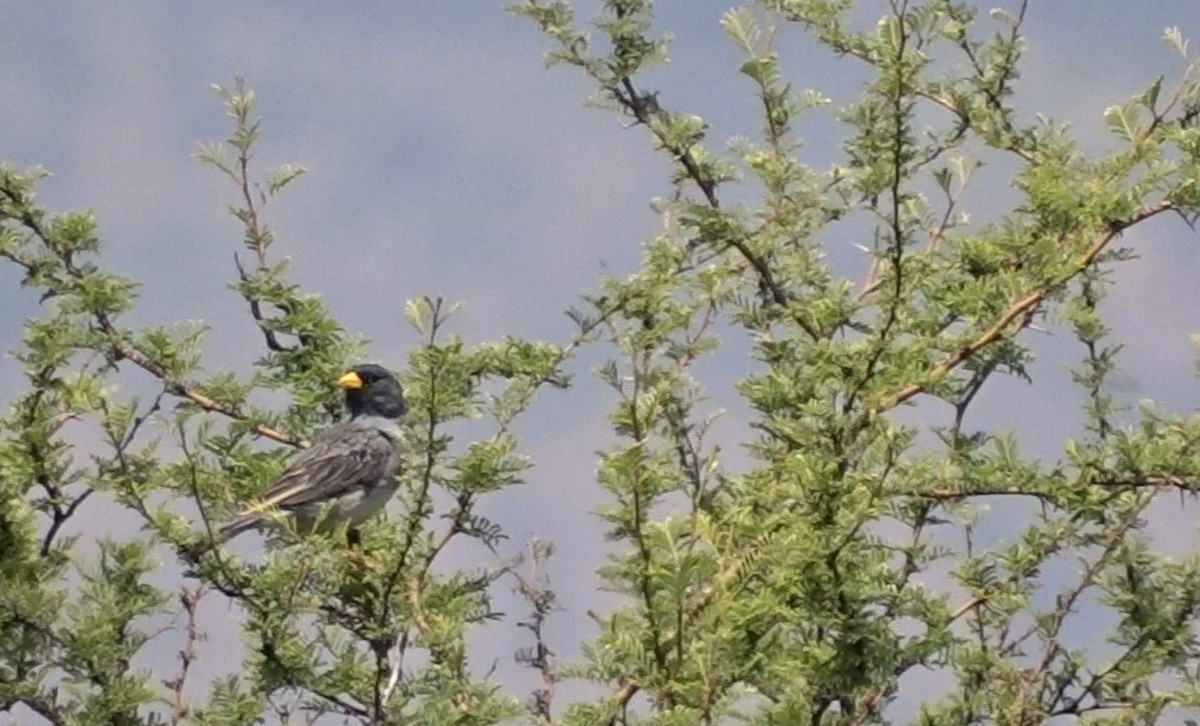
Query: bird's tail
point(224, 533)
point(244, 523)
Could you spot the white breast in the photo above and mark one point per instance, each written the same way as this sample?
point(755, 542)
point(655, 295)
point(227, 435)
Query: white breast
point(375, 500)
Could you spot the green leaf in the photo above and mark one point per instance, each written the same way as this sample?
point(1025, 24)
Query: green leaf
point(1175, 39)
point(740, 25)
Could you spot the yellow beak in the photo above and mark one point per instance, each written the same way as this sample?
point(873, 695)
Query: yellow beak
point(350, 380)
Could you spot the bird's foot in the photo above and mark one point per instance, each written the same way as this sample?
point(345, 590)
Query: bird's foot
point(353, 552)
point(361, 560)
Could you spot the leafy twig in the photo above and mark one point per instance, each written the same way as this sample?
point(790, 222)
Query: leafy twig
point(119, 346)
point(1019, 310)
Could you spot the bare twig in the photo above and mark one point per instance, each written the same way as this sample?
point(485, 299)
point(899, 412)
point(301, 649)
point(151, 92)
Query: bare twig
point(534, 588)
point(189, 599)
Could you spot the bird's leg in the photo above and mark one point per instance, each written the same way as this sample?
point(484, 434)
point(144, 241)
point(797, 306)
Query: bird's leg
point(354, 552)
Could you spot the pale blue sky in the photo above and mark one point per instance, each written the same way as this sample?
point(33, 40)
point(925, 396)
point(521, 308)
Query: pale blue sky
point(444, 160)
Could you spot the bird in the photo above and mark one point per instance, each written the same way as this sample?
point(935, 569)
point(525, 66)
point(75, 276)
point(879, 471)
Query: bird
point(348, 473)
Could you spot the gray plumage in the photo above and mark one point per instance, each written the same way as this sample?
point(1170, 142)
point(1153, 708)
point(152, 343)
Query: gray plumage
point(348, 474)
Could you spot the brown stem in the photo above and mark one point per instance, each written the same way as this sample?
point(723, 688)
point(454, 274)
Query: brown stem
point(1159, 481)
point(189, 600)
point(540, 657)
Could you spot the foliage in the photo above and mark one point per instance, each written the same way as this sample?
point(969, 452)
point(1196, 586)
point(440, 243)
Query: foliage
point(793, 589)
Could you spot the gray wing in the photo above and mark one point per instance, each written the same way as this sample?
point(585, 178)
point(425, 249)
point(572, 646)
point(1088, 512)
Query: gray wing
point(344, 456)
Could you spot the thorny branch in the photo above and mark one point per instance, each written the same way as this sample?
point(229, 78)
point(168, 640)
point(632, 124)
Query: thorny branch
point(1020, 311)
point(61, 510)
point(899, 111)
point(638, 105)
point(118, 345)
point(1156, 481)
point(256, 312)
point(1038, 680)
point(534, 588)
point(258, 239)
point(189, 600)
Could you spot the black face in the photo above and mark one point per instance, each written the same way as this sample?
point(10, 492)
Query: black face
point(380, 394)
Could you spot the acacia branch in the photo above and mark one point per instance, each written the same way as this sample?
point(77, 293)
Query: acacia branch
point(870, 702)
point(1022, 309)
point(640, 515)
point(540, 657)
point(60, 518)
point(189, 600)
point(1065, 606)
point(256, 312)
point(55, 494)
point(636, 103)
point(899, 113)
point(118, 345)
point(621, 698)
point(258, 239)
point(122, 349)
point(1156, 481)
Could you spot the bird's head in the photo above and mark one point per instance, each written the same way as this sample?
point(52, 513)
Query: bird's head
point(372, 390)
